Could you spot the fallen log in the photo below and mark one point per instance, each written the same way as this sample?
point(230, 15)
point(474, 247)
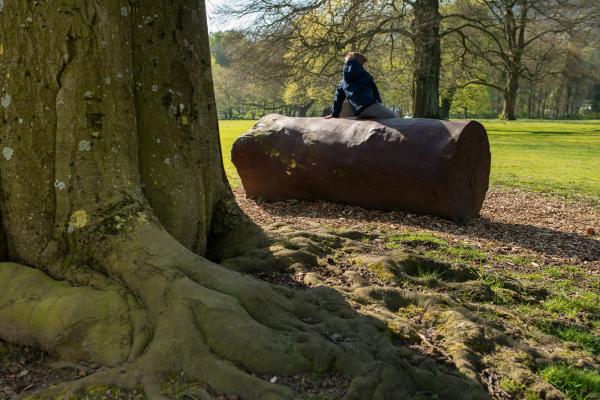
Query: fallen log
point(418, 165)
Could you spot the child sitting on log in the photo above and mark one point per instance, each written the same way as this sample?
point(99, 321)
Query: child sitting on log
point(359, 89)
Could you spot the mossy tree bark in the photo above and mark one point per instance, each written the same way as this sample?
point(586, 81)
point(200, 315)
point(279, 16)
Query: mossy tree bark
point(112, 187)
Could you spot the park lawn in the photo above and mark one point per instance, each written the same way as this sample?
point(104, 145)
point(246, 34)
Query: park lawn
point(230, 131)
point(560, 157)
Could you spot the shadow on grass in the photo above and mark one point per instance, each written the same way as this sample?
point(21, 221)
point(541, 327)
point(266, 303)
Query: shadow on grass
point(477, 336)
point(393, 357)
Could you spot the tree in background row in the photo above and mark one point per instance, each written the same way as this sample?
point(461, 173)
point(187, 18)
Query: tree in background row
point(499, 43)
point(317, 34)
point(515, 40)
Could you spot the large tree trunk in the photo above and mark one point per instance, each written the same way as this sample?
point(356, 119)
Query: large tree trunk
point(90, 122)
point(427, 59)
point(112, 185)
point(110, 174)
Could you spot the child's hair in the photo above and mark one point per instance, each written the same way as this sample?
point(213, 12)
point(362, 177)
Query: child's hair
point(359, 57)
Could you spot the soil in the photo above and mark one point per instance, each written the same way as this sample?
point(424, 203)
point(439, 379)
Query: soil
point(552, 229)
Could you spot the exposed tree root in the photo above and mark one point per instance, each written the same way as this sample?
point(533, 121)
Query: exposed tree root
point(225, 329)
point(184, 315)
point(453, 302)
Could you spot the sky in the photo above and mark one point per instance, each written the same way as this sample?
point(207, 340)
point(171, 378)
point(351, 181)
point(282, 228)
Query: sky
point(211, 7)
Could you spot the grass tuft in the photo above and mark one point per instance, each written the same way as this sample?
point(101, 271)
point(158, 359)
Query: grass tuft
point(578, 384)
point(575, 334)
point(573, 305)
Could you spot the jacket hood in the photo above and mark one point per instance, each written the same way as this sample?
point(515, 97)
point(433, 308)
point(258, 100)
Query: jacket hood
point(353, 71)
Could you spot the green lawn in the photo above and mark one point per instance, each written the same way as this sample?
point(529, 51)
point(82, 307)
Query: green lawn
point(230, 131)
point(561, 157)
point(552, 156)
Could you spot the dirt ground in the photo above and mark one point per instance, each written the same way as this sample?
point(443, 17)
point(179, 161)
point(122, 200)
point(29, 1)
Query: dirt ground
point(538, 229)
point(550, 228)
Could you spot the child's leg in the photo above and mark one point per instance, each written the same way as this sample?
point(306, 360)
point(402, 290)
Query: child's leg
point(378, 111)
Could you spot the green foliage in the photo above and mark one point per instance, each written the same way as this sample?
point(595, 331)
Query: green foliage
point(471, 100)
point(243, 90)
point(224, 47)
point(578, 384)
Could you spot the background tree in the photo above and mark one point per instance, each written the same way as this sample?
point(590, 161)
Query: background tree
point(321, 31)
point(504, 34)
point(499, 43)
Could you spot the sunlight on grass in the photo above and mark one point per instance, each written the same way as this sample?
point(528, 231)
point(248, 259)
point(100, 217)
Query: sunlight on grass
point(573, 305)
point(588, 340)
point(230, 131)
point(578, 384)
point(561, 157)
point(415, 238)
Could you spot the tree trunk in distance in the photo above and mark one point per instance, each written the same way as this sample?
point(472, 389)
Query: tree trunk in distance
point(303, 108)
point(509, 110)
point(427, 59)
point(447, 103)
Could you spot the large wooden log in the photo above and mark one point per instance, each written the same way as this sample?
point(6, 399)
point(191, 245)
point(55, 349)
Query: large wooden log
point(418, 165)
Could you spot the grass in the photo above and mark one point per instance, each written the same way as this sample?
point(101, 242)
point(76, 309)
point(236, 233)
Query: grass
point(571, 306)
point(578, 384)
point(230, 131)
point(572, 293)
point(415, 238)
point(437, 248)
point(576, 334)
point(560, 157)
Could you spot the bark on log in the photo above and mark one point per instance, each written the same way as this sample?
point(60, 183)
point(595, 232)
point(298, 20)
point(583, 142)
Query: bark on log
point(418, 165)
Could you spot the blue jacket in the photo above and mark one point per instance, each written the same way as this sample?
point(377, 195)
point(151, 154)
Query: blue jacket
point(358, 86)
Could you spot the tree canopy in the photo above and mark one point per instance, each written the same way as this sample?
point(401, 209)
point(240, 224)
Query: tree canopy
point(506, 46)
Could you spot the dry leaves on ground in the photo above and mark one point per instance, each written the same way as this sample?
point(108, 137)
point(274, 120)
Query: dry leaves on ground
point(513, 222)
